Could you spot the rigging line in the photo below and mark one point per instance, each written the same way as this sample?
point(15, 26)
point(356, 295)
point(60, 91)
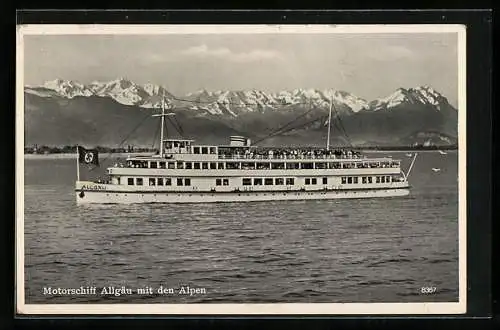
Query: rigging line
point(288, 130)
point(173, 124)
point(342, 132)
point(291, 122)
point(322, 118)
point(179, 124)
point(273, 133)
point(123, 141)
point(230, 103)
point(345, 132)
point(102, 137)
point(349, 141)
point(299, 126)
point(342, 135)
point(156, 136)
point(342, 126)
point(283, 127)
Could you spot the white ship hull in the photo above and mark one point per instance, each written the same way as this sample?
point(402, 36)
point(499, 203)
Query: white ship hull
point(103, 197)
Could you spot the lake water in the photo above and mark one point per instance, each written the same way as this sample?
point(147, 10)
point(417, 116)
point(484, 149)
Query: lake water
point(378, 250)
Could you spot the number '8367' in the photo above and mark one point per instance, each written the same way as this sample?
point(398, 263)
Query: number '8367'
point(428, 289)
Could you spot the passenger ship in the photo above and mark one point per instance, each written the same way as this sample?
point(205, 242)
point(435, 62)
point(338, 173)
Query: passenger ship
point(185, 172)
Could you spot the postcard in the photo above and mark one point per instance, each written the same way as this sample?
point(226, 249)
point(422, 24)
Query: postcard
point(241, 169)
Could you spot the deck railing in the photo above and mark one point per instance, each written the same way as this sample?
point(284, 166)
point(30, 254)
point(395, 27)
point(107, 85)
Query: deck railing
point(287, 157)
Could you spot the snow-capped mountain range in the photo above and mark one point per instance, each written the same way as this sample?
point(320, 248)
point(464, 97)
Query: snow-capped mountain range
point(234, 103)
point(121, 90)
point(62, 111)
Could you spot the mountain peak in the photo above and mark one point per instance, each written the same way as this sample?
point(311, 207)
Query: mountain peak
point(425, 87)
point(55, 82)
point(121, 83)
point(60, 82)
point(122, 79)
point(424, 94)
point(67, 88)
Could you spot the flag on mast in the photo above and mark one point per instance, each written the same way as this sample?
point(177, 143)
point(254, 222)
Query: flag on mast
point(88, 156)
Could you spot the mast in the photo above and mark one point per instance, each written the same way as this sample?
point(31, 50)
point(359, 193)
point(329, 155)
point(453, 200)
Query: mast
point(77, 164)
point(329, 124)
point(162, 115)
point(411, 166)
point(162, 123)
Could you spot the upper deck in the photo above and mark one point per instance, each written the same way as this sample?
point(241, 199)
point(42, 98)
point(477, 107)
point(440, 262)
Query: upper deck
point(243, 156)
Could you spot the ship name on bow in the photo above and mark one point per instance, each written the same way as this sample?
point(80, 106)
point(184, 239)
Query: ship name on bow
point(93, 187)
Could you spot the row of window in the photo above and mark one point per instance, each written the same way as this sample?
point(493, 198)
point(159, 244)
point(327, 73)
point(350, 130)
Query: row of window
point(365, 179)
point(176, 165)
point(205, 150)
point(260, 181)
point(218, 182)
point(309, 181)
point(222, 182)
point(268, 181)
point(253, 165)
point(159, 181)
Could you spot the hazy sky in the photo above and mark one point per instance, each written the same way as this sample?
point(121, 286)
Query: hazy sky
point(369, 66)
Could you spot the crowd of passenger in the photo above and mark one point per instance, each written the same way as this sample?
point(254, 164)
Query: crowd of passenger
point(279, 153)
point(287, 153)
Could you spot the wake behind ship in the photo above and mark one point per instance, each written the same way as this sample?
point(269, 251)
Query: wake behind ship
point(184, 172)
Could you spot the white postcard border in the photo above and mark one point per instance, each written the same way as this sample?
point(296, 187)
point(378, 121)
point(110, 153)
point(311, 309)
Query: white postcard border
point(426, 308)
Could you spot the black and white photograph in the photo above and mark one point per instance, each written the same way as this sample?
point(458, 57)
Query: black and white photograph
point(241, 169)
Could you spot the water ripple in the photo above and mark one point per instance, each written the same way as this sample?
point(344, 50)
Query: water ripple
point(380, 250)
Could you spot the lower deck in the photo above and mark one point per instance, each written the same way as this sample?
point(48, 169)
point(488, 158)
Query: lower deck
point(260, 183)
point(130, 197)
